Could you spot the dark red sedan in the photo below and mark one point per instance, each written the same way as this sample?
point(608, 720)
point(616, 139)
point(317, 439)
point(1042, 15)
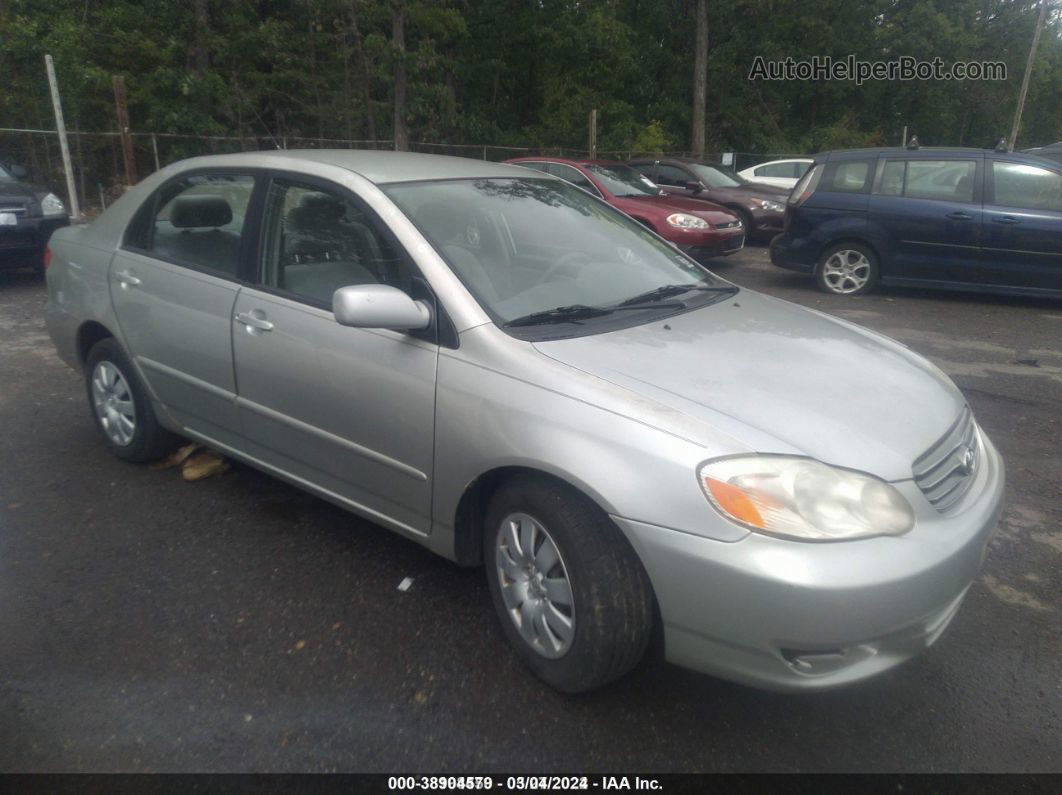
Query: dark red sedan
point(700, 228)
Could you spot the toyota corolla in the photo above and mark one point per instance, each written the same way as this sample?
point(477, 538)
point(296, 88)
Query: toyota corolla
point(505, 369)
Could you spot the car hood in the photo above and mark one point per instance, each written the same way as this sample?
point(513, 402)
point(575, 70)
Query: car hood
point(750, 191)
point(780, 379)
point(675, 204)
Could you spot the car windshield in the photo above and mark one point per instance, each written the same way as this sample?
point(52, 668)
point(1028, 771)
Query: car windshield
point(623, 180)
point(526, 246)
point(6, 176)
point(718, 176)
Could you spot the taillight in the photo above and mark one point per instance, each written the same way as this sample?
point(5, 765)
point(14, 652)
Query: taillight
point(806, 186)
point(47, 257)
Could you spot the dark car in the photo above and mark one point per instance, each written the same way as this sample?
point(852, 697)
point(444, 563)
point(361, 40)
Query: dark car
point(760, 207)
point(702, 229)
point(28, 216)
point(974, 219)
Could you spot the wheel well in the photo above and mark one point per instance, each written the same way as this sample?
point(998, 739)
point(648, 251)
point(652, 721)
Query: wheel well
point(88, 335)
point(468, 521)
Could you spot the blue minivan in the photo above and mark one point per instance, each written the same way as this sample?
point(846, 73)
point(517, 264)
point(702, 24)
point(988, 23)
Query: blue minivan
point(970, 219)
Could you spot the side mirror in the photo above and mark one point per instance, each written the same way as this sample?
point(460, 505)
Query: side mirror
point(18, 172)
point(379, 306)
point(693, 186)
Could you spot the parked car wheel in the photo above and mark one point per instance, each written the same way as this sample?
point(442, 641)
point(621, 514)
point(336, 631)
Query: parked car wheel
point(848, 269)
point(121, 407)
point(571, 594)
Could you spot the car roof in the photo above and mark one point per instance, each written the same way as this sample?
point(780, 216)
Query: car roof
point(378, 166)
point(583, 161)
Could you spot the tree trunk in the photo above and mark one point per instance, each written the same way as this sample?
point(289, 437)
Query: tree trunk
point(398, 45)
point(366, 75)
point(700, 79)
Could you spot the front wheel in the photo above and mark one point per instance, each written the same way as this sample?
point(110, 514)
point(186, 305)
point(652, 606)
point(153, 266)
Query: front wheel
point(572, 596)
point(121, 406)
point(847, 269)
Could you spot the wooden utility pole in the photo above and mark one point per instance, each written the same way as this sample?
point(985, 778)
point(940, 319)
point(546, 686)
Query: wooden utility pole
point(700, 79)
point(122, 112)
point(593, 134)
point(64, 148)
point(1025, 79)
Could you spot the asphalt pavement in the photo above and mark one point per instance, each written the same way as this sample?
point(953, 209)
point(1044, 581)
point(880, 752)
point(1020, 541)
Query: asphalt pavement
point(238, 624)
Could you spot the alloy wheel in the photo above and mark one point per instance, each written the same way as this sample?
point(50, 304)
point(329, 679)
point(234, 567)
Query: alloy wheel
point(113, 402)
point(846, 271)
point(535, 585)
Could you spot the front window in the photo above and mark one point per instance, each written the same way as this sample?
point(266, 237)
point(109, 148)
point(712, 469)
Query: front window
point(528, 247)
point(623, 180)
point(718, 176)
point(1027, 187)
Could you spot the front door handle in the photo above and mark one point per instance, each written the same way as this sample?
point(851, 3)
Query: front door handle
point(126, 279)
point(1005, 219)
point(253, 322)
point(959, 216)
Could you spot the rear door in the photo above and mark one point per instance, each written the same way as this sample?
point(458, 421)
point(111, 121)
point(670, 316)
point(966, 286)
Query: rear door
point(927, 213)
point(1022, 227)
point(173, 284)
point(348, 411)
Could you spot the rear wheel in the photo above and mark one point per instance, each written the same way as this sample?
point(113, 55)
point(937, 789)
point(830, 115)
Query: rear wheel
point(847, 269)
point(572, 596)
point(121, 407)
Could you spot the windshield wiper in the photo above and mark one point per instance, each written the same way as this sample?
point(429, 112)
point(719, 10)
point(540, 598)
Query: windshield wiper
point(562, 314)
point(669, 290)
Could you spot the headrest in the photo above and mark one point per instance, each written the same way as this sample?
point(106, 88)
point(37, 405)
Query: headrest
point(189, 212)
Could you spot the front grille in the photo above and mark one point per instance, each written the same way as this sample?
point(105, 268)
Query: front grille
point(946, 471)
point(17, 209)
point(728, 224)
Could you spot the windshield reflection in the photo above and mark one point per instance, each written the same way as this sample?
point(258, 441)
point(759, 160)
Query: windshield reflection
point(529, 245)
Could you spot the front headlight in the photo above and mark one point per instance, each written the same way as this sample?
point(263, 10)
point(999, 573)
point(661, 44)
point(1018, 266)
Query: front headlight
point(770, 206)
point(803, 499)
point(684, 221)
point(52, 205)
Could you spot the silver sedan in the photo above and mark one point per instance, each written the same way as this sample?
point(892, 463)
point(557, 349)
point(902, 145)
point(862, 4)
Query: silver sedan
point(502, 368)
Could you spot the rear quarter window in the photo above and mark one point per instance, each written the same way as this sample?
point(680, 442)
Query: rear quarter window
point(847, 176)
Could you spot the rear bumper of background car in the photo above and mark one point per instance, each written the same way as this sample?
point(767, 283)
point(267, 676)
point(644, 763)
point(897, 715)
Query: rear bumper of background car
point(791, 616)
point(794, 254)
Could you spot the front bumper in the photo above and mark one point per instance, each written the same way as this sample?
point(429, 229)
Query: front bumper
point(792, 616)
point(767, 222)
point(21, 245)
point(722, 247)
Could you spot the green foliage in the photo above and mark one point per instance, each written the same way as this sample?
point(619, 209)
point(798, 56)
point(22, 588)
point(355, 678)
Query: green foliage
point(525, 72)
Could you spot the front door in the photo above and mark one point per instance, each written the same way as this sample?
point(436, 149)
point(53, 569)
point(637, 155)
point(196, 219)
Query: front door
point(1022, 229)
point(173, 285)
point(348, 411)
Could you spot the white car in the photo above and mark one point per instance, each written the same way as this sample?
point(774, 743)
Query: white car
point(783, 173)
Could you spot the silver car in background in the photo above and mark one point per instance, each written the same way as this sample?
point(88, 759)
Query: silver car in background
point(510, 372)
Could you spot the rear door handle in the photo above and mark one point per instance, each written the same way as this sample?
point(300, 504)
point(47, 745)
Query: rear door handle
point(1005, 219)
point(959, 216)
point(126, 279)
point(253, 322)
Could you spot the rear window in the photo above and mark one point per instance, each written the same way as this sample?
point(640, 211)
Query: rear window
point(847, 176)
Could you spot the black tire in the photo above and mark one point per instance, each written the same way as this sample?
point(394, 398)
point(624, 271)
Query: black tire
point(830, 282)
point(148, 440)
point(613, 602)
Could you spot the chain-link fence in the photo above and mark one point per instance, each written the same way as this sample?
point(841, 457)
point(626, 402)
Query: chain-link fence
point(99, 173)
